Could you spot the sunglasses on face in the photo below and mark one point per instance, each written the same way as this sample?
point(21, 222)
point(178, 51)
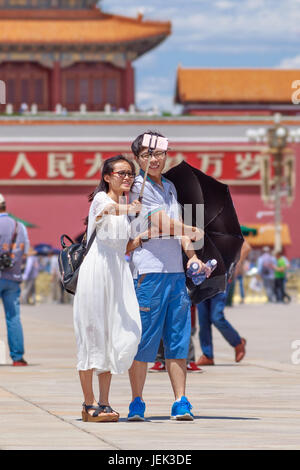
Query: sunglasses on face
point(123, 174)
point(158, 155)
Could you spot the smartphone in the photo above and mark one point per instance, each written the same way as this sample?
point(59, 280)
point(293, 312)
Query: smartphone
point(154, 142)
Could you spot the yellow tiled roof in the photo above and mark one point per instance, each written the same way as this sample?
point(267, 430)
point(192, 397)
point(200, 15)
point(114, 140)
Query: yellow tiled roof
point(235, 85)
point(108, 29)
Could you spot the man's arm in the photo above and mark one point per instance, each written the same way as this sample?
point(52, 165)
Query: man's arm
point(188, 248)
point(167, 226)
point(160, 222)
point(26, 238)
point(245, 250)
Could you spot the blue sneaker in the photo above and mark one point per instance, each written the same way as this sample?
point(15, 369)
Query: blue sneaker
point(181, 410)
point(136, 410)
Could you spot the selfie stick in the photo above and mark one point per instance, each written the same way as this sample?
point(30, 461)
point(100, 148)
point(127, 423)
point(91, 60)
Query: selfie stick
point(150, 150)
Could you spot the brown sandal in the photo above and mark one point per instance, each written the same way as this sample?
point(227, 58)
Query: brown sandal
point(86, 416)
point(108, 409)
point(98, 416)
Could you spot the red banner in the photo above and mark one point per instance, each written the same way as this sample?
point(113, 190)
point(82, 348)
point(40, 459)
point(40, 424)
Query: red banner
point(69, 165)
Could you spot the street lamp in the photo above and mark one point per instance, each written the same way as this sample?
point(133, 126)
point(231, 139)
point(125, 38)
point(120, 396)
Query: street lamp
point(277, 168)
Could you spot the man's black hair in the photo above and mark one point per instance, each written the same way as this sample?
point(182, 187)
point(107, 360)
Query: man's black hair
point(136, 145)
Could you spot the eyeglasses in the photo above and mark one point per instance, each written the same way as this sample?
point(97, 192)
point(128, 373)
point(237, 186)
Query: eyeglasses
point(123, 174)
point(158, 155)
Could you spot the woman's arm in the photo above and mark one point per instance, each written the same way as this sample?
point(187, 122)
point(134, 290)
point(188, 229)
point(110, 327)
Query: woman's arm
point(134, 243)
point(138, 241)
point(120, 209)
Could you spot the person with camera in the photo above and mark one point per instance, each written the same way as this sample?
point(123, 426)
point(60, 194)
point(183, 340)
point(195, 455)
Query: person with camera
point(13, 245)
point(159, 277)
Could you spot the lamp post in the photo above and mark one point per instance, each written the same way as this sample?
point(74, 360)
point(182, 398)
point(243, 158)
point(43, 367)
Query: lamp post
point(277, 168)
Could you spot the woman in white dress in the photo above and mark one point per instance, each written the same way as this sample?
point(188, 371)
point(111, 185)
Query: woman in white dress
point(106, 311)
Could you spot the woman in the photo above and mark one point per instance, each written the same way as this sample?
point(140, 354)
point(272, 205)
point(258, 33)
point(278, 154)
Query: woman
point(106, 312)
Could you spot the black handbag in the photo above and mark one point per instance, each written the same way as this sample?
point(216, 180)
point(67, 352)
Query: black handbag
point(70, 260)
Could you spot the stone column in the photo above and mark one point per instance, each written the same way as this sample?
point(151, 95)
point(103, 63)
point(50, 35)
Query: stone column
point(56, 97)
point(128, 88)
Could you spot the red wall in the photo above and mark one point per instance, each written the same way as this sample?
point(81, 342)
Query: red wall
point(55, 210)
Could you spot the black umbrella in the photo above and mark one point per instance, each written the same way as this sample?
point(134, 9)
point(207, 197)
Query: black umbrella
point(223, 238)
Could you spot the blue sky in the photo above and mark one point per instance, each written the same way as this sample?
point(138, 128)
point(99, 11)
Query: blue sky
point(211, 33)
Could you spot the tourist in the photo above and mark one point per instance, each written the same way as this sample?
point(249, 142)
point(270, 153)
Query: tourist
point(106, 312)
point(14, 243)
point(211, 313)
point(265, 266)
point(160, 284)
point(280, 269)
point(30, 274)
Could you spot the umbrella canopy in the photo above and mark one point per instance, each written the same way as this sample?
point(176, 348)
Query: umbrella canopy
point(223, 238)
point(43, 249)
point(24, 222)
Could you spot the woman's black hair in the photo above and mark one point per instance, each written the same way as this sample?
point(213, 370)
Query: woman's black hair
point(136, 145)
point(107, 169)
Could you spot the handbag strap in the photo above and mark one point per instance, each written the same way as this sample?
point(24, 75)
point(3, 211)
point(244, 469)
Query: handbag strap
point(14, 237)
point(93, 236)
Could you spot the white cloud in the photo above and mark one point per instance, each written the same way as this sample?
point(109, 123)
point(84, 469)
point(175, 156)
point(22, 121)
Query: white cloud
point(225, 5)
point(147, 99)
point(227, 22)
point(230, 28)
point(290, 63)
point(148, 60)
point(156, 91)
point(238, 48)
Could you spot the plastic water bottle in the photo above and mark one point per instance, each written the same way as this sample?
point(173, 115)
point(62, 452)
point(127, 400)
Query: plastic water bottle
point(199, 277)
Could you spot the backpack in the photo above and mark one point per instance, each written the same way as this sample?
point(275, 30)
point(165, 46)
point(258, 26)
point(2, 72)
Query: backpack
point(70, 259)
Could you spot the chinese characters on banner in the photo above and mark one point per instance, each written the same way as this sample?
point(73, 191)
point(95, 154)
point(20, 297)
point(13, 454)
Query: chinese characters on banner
point(83, 167)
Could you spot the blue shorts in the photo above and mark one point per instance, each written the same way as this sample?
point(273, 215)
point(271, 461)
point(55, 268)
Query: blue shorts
point(165, 310)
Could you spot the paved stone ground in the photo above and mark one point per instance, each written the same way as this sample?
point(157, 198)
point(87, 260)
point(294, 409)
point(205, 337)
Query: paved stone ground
point(251, 405)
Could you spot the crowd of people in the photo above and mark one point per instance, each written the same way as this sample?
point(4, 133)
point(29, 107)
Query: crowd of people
point(131, 305)
point(268, 275)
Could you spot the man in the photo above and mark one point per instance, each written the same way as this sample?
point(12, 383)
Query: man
point(10, 279)
point(30, 274)
point(265, 267)
point(160, 366)
point(211, 312)
point(160, 284)
point(280, 268)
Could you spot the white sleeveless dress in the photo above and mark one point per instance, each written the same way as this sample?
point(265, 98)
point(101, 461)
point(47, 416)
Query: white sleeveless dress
point(106, 311)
